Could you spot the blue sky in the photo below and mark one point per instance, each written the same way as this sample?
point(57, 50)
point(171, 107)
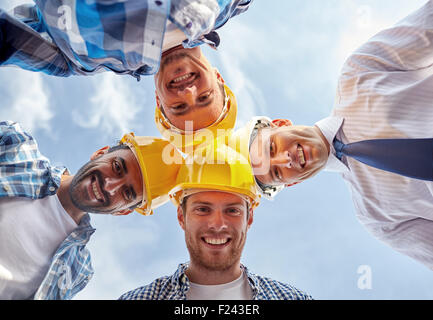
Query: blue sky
point(281, 60)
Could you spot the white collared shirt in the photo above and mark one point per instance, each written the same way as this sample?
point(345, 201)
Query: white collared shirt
point(386, 91)
point(330, 128)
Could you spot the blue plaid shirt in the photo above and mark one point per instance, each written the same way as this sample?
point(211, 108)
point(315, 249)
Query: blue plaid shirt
point(125, 36)
point(176, 286)
point(24, 172)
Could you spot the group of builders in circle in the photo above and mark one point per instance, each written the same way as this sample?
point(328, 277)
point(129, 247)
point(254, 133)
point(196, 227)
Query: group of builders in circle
point(214, 174)
point(210, 158)
point(199, 162)
point(214, 159)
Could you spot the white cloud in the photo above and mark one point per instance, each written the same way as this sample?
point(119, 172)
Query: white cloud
point(249, 96)
point(114, 106)
point(25, 99)
point(233, 55)
point(363, 28)
point(117, 240)
point(367, 20)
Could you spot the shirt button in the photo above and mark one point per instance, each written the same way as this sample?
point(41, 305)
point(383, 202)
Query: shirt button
point(6, 188)
point(52, 189)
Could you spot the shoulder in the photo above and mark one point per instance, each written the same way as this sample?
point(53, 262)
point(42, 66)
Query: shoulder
point(24, 171)
point(276, 290)
point(159, 289)
point(11, 133)
point(17, 145)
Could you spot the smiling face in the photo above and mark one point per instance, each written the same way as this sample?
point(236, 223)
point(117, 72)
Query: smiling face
point(215, 225)
point(109, 183)
point(288, 154)
point(188, 88)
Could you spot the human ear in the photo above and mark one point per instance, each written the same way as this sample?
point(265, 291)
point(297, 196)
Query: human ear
point(250, 217)
point(181, 217)
point(219, 76)
point(282, 122)
point(158, 102)
point(291, 184)
point(99, 153)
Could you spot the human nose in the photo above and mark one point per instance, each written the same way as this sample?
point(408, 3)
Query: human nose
point(282, 159)
point(217, 221)
point(111, 185)
point(189, 94)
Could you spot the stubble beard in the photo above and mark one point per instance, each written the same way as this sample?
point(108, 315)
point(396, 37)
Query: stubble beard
point(217, 262)
point(76, 193)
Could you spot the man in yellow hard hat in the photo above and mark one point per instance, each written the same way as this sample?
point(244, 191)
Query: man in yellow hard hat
point(137, 38)
point(215, 196)
point(43, 221)
point(202, 109)
point(130, 176)
point(244, 141)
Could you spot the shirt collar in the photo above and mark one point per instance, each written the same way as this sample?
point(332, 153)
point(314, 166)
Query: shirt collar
point(330, 127)
point(83, 232)
point(181, 282)
point(253, 281)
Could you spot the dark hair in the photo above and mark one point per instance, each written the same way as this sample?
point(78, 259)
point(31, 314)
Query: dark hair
point(262, 186)
point(183, 205)
point(118, 147)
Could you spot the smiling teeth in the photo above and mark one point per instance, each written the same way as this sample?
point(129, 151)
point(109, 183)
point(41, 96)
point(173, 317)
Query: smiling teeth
point(301, 155)
point(182, 78)
point(95, 191)
point(215, 241)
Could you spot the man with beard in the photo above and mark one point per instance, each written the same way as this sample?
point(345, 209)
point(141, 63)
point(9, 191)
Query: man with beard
point(215, 203)
point(77, 37)
point(44, 227)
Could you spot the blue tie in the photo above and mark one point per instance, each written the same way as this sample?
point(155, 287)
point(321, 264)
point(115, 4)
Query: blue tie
point(412, 158)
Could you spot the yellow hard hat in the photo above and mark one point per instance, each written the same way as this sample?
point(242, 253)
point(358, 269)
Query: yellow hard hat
point(159, 164)
point(241, 140)
point(215, 169)
point(187, 141)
